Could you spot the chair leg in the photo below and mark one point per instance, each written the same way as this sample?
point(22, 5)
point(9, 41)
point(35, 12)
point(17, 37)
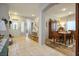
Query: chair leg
point(72, 40)
point(53, 40)
point(69, 41)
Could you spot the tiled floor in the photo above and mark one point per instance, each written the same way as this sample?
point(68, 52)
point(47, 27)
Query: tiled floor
point(69, 51)
point(28, 47)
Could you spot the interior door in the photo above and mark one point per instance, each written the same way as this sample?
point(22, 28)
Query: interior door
point(77, 29)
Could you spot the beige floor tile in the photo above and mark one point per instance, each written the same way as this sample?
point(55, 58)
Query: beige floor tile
point(28, 47)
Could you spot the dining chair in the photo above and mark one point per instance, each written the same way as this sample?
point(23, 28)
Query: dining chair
point(56, 36)
point(70, 36)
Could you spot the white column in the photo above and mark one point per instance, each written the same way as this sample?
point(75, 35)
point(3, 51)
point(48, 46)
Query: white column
point(41, 29)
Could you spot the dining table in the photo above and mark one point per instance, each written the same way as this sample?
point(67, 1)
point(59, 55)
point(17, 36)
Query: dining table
point(64, 33)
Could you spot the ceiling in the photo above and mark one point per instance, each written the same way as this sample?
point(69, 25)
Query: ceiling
point(33, 9)
point(25, 9)
point(57, 10)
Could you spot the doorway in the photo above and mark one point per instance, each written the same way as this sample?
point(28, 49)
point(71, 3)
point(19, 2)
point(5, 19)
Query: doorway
point(62, 28)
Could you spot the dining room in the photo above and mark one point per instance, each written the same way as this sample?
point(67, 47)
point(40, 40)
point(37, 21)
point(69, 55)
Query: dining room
point(61, 28)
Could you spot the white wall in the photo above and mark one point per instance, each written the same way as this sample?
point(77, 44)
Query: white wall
point(4, 8)
point(22, 27)
point(15, 31)
point(28, 28)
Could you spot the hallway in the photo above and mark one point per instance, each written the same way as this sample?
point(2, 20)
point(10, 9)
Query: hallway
point(28, 47)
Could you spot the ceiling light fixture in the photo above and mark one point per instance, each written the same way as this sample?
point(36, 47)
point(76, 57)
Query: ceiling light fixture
point(64, 9)
point(15, 13)
point(33, 15)
point(70, 12)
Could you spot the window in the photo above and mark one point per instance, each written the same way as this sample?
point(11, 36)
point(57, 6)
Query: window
point(14, 25)
point(71, 25)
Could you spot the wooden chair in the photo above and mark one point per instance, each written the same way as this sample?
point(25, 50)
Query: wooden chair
point(55, 36)
point(70, 36)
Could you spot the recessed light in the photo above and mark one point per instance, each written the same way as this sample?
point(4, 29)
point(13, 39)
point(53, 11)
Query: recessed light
point(37, 17)
point(15, 13)
point(33, 15)
point(64, 9)
point(70, 12)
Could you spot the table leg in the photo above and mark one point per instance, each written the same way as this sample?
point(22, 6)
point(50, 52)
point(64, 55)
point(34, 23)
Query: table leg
point(65, 39)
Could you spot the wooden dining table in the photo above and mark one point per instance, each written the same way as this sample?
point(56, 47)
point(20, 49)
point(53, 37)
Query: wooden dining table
point(64, 33)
